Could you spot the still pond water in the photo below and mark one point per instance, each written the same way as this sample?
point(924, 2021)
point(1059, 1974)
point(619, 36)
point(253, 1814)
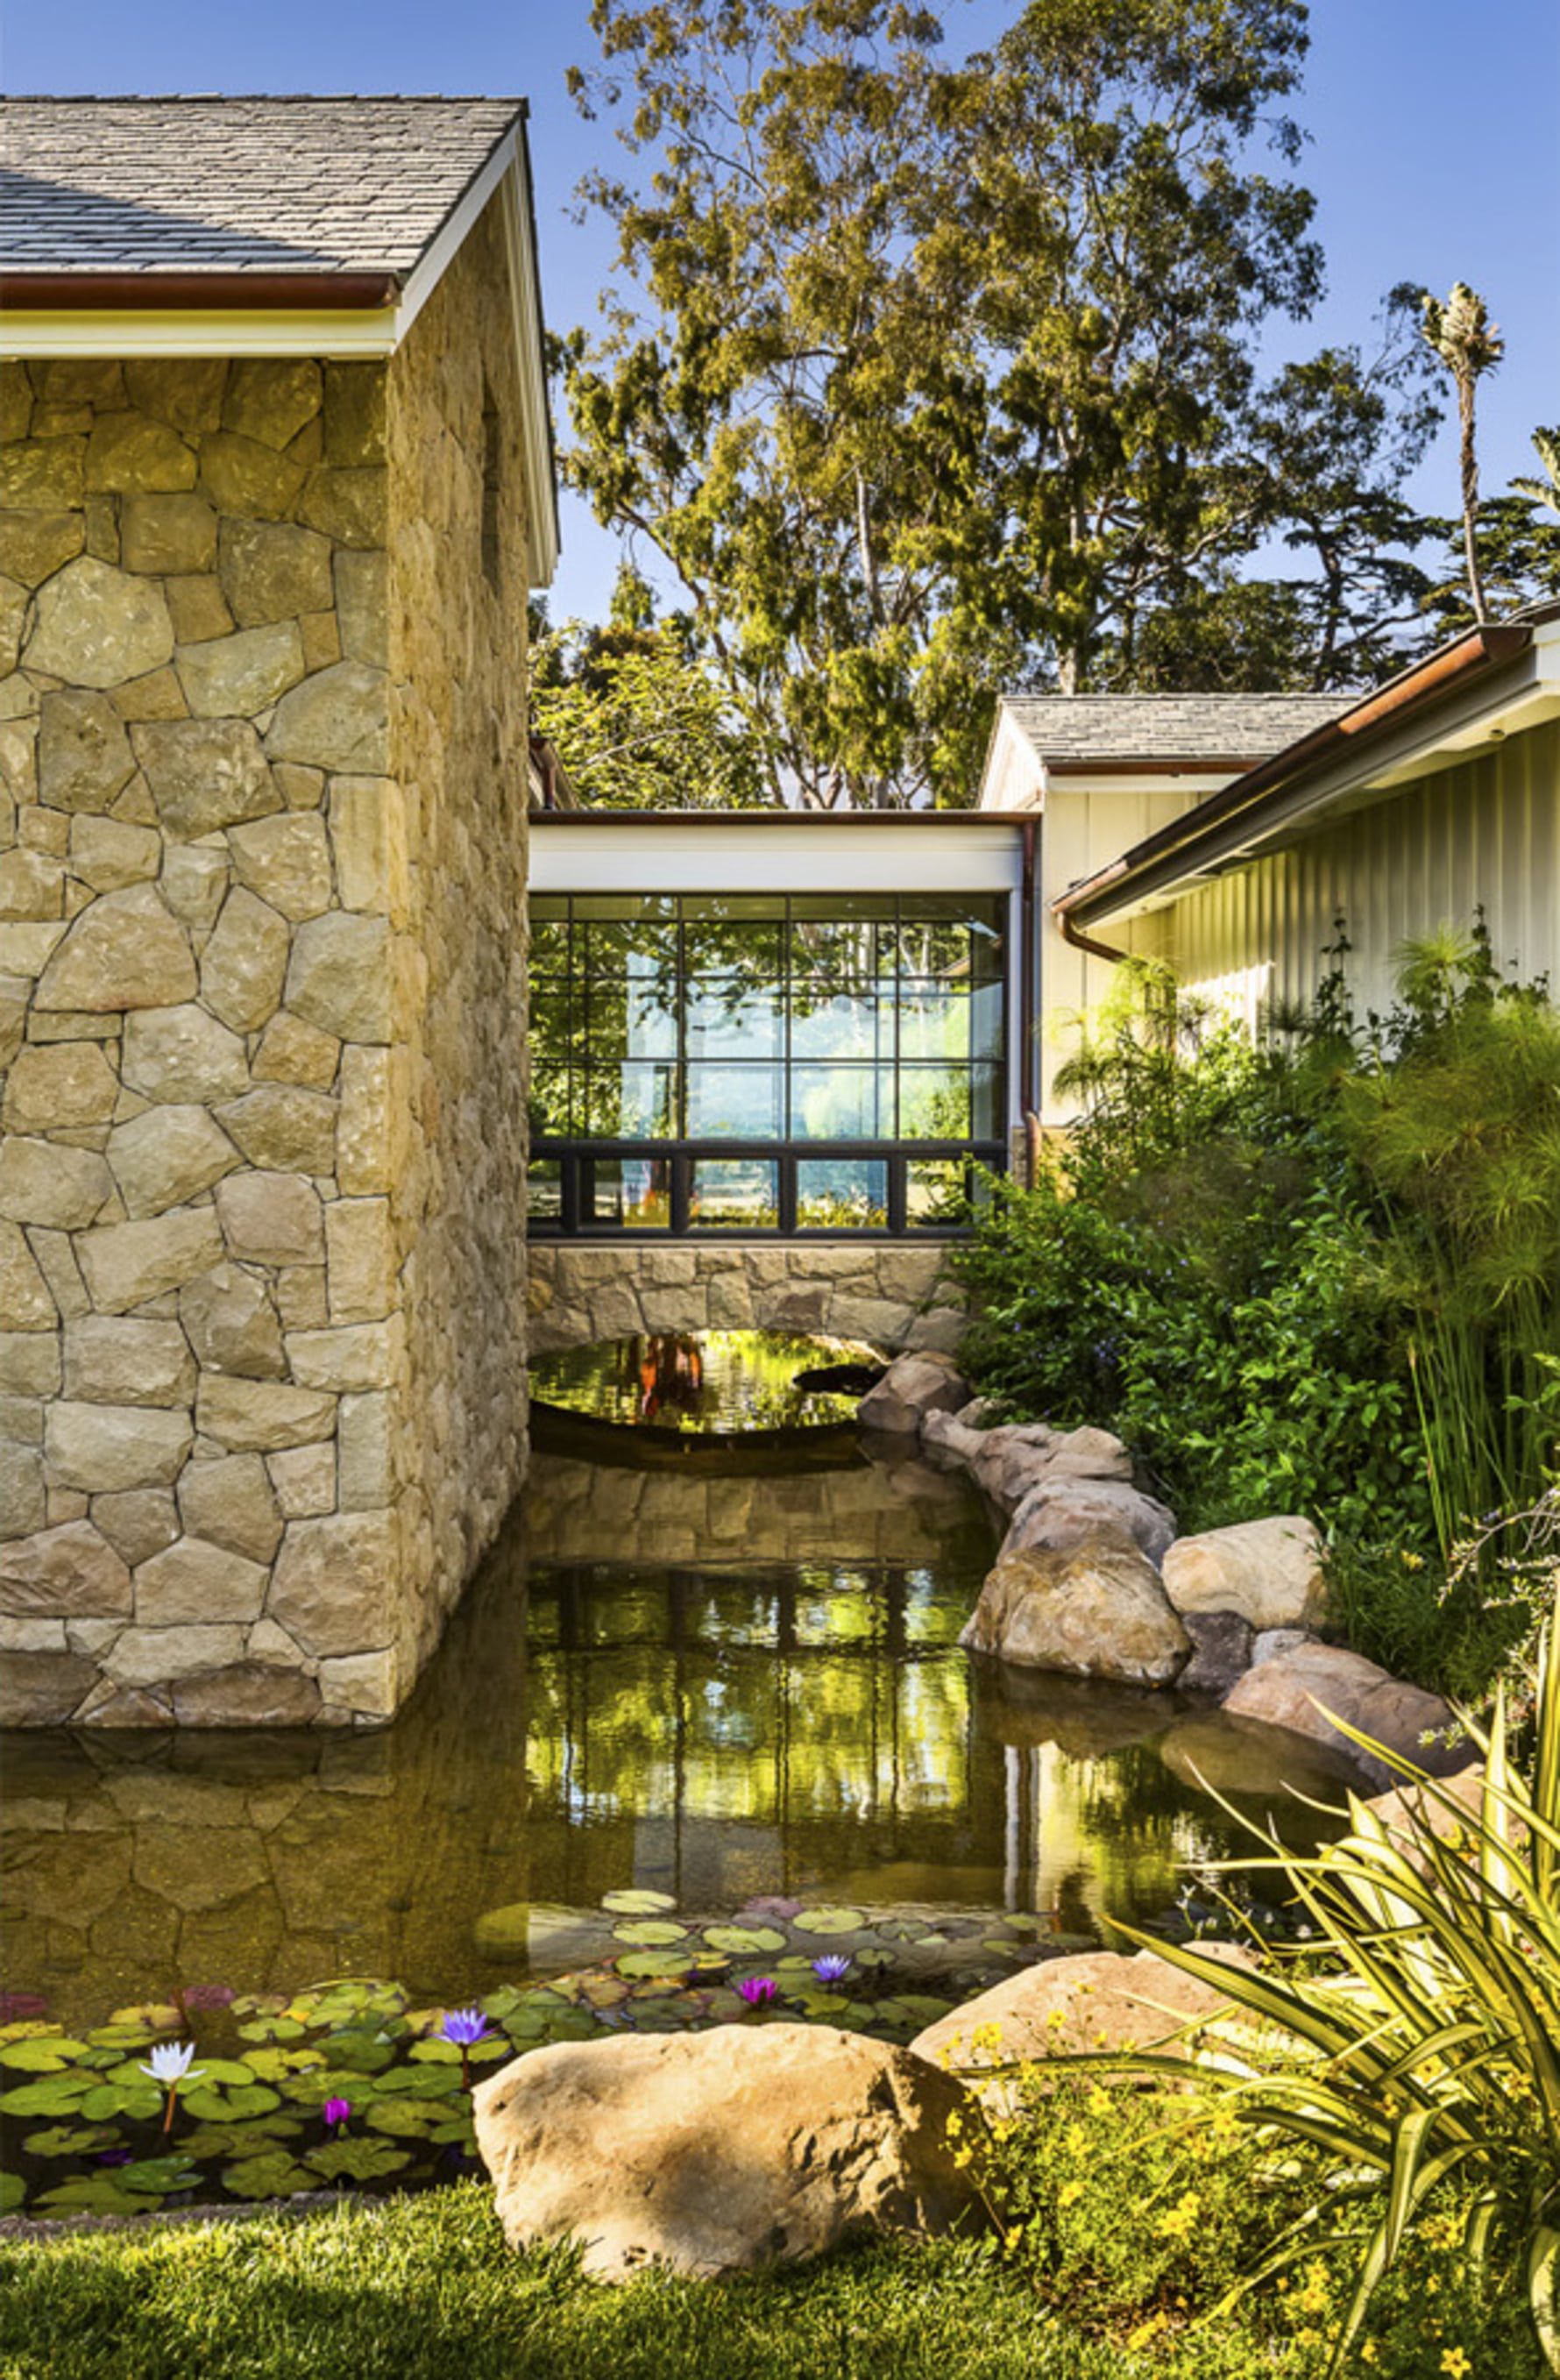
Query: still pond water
point(712, 1680)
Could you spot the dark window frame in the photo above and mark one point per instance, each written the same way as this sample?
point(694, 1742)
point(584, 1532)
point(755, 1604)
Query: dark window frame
point(577, 1151)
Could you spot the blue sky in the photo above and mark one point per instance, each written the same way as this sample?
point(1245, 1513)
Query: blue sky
point(1432, 154)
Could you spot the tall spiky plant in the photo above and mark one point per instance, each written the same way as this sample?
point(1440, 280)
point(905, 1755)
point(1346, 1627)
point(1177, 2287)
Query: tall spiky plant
point(1544, 490)
point(1470, 345)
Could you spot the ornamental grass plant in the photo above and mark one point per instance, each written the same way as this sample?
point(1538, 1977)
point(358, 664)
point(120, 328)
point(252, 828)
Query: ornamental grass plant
point(1412, 2065)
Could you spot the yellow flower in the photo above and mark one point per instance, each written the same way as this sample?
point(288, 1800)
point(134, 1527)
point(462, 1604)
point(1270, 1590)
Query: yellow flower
point(1056, 2019)
point(1178, 2221)
point(1070, 2192)
point(1368, 2352)
point(1077, 2139)
point(1455, 2363)
point(1098, 2101)
point(986, 2036)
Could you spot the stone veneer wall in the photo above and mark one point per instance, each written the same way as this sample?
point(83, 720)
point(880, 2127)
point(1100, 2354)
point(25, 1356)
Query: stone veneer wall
point(261, 860)
point(891, 1292)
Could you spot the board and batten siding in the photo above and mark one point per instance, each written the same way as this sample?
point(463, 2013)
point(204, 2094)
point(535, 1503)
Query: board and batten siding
point(1085, 827)
point(1485, 832)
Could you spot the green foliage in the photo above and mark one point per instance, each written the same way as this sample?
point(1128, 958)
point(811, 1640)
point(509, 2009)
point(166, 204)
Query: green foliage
point(640, 723)
point(1458, 1126)
point(426, 2286)
point(1426, 2048)
point(1194, 1272)
point(938, 371)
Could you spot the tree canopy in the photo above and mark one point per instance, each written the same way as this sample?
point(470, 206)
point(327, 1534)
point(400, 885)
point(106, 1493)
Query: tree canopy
point(935, 373)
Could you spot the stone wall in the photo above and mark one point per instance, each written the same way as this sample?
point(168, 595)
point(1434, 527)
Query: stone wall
point(891, 1292)
point(262, 746)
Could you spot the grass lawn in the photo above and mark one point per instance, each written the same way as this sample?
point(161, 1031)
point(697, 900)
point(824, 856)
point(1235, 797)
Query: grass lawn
point(423, 2289)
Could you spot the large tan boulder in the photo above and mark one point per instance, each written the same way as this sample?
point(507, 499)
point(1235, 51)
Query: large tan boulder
point(717, 2152)
point(1270, 1571)
point(1308, 1686)
point(1065, 1507)
point(1098, 2001)
point(1095, 1609)
point(912, 1387)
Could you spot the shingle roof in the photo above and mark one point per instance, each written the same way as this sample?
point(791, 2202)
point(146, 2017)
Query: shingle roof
point(1168, 726)
point(220, 185)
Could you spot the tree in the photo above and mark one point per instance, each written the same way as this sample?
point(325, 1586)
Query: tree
point(637, 719)
point(1544, 490)
point(1469, 343)
point(939, 375)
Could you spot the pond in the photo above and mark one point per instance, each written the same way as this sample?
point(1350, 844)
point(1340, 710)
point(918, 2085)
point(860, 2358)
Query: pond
point(692, 1723)
point(710, 1383)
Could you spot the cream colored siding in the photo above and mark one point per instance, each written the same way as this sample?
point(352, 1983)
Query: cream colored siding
point(1487, 831)
point(1085, 829)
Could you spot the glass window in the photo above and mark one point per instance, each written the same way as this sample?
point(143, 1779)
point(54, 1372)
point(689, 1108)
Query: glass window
point(544, 1190)
point(629, 1102)
point(735, 1194)
point(782, 1022)
point(840, 1019)
point(841, 1102)
point(842, 1194)
point(735, 1102)
point(634, 1193)
point(732, 1017)
point(935, 1193)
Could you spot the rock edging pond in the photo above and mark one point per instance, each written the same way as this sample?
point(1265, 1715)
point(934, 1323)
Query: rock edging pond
point(1092, 1579)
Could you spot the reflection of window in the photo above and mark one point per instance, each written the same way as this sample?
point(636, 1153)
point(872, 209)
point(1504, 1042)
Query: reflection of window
point(707, 1023)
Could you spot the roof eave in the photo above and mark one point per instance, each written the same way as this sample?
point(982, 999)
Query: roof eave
point(1265, 796)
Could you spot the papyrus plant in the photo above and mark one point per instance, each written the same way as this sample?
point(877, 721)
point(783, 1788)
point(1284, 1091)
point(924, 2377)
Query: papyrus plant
point(1421, 2054)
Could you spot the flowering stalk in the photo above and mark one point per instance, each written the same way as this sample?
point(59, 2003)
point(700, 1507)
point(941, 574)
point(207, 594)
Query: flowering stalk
point(171, 2065)
point(466, 2027)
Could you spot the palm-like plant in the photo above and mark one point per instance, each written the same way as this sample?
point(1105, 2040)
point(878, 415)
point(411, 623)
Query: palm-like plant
point(1544, 490)
point(1426, 2058)
point(1469, 343)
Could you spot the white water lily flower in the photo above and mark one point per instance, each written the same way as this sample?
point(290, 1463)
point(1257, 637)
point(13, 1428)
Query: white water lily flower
point(170, 2063)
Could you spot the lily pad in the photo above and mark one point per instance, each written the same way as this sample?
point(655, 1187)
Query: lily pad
point(650, 1933)
point(272, 2174)
point(744, 1941)
point(829, 1921)
point(93, 2193)
point(149, 2016)
point(425, 2081)
point(69, 2140)
point(159, 2176)
point(637, 1904)
point(357, 2160)
point(105, 2101)
point(272, 2028)
point(52, 2095)
point(45, 2055)
point(658, 1963)
point(211, 2106)
point(406, 2119)
point(257, 2138)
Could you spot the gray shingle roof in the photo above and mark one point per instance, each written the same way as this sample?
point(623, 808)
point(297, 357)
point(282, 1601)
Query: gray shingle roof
point(261, 184)
point(1169, 726)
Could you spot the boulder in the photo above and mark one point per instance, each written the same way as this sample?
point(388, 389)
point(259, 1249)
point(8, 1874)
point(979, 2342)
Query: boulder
point(1269, 1571)
point(1221, 1651)
point(718, 2152)
point(1060, 1513)
point(1098, 2001)
point(1255, 1763)
point(1095, 1609)
point(1310, 1684)
point(42, 1689)
point(912, 1387)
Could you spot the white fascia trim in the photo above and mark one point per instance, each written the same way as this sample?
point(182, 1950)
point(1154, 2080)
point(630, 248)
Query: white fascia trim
point(1527, 694)
point(274, 331)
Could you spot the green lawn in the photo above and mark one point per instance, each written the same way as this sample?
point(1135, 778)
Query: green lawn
point(421, 2288)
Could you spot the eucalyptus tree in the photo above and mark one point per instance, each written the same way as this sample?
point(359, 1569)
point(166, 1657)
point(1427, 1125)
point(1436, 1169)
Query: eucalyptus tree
point(929, 372)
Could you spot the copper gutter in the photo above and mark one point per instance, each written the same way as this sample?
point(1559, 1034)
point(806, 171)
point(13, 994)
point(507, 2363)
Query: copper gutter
point(1471, 655)
point(196, 292)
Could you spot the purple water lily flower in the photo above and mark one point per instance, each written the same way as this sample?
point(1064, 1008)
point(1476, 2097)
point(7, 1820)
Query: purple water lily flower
point(832, 1968)
point(466, 2027)
point(206, 1997)
point(335, 2113)
point(114, 2157)
point(758, 1991)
